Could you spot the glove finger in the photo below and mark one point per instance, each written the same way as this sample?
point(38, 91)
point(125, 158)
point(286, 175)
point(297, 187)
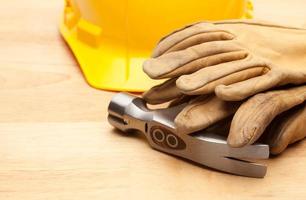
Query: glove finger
point(202, 112)
point(177, 36)
point(197, 82)
point(199, 39)
point(206, 62)
point(162, 93)
point(160, 67)
point(256, 114)
point(286, 129)
point(233, 78)
point(241, 90)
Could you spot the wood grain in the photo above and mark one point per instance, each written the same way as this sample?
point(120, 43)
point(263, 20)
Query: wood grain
point(55, 142)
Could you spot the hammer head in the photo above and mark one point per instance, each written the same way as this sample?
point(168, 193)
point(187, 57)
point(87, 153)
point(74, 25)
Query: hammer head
point(128, 113)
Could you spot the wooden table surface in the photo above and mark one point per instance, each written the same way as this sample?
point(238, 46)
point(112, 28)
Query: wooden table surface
point(55, 142)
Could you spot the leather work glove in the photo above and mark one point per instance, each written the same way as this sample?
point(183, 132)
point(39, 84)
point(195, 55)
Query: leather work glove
point(234, 59)
point(276, 117)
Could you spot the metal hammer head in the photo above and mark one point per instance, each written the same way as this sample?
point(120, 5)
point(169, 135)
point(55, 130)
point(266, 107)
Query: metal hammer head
point(128, 112)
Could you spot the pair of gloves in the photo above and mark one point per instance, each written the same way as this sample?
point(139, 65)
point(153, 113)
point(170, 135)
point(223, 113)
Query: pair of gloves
point(253, 71)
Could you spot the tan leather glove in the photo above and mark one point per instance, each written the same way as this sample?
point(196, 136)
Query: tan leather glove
point(278, 116)
point(237, 59)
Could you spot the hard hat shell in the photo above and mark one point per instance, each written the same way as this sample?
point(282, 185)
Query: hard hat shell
point(111, 39)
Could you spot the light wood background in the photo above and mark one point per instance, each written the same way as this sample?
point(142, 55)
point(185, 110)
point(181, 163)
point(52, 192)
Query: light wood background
point(55, 142)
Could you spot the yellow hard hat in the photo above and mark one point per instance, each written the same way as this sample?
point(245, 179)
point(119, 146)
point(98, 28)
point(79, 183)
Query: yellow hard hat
point(111, 38)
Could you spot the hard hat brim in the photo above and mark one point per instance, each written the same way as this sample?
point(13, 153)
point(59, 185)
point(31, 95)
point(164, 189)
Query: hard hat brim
point(108, 66)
